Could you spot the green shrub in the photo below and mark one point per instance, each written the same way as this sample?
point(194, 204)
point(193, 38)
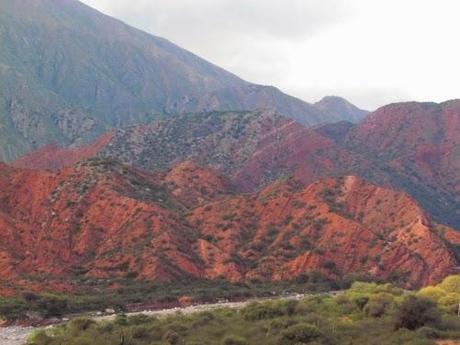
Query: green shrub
point(121, 320)
point(259, 311)
point(451, 284)
point(378, 305)
point(80, 324)
point(301, 333)
point(39, 338)
point(361, 301)
point(416, 312)
point(277, 325)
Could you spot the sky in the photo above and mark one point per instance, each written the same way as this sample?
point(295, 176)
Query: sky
point(371, 52)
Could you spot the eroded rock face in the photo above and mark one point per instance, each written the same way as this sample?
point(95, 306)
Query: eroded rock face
point(102, 219)
point(339, 226)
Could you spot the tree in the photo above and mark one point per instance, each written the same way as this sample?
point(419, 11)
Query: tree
point(451, 284)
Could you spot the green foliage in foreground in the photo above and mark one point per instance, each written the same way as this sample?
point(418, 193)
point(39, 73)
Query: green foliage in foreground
point(367, 314)
point(132, 291)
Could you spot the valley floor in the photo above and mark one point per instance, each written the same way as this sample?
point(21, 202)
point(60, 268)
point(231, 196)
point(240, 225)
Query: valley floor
point(14, 335)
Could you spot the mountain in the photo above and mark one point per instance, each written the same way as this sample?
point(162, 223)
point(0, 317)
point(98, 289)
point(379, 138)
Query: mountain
point(413, 147)
point(250, 148)
point(340, 109)
point(100, 220)
point(52, 157)
point(70, 73)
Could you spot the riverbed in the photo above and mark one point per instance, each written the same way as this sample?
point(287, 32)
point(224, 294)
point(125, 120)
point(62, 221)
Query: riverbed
point(18, 335)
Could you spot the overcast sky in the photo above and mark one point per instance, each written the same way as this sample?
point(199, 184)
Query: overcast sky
point(371, 52)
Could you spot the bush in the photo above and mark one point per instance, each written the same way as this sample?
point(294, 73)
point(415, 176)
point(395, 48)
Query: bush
point(451, 284)
point(257, 311)
point(52, 306)
point(277, 325)
point(172, 338)
point(80, 324)
point(121, 320)
point(289, 307)
point(39, 338)
point(450, 302)
point(429, 332)
point(300, 333)
point(361, 301)
point(378, 305)
point(432, 292)
point(416, 312)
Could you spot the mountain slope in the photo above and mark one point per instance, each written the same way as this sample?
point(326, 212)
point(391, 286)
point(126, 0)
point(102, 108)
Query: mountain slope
point(100, 220)
point(251, 148)
point(416, 148)
point(413, 147)
point(70, 73)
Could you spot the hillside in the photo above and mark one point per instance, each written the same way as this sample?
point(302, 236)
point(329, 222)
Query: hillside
point(70, 73)
point(100, 220)
point(413, 147)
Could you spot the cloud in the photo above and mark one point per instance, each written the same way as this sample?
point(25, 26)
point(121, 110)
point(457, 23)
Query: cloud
point(372, 51)
point(287, 19)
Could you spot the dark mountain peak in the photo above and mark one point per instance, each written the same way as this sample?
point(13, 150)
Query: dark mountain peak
point(340, 109)
point(333, 100)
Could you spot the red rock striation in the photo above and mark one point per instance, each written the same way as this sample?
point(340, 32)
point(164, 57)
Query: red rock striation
point(102, 219)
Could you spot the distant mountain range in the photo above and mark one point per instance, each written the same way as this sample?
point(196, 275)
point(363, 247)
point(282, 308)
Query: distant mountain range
point(70, 73)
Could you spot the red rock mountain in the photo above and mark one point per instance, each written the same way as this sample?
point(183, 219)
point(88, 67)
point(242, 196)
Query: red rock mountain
point(101, 219)
point(412, 147)
point(52, 157)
